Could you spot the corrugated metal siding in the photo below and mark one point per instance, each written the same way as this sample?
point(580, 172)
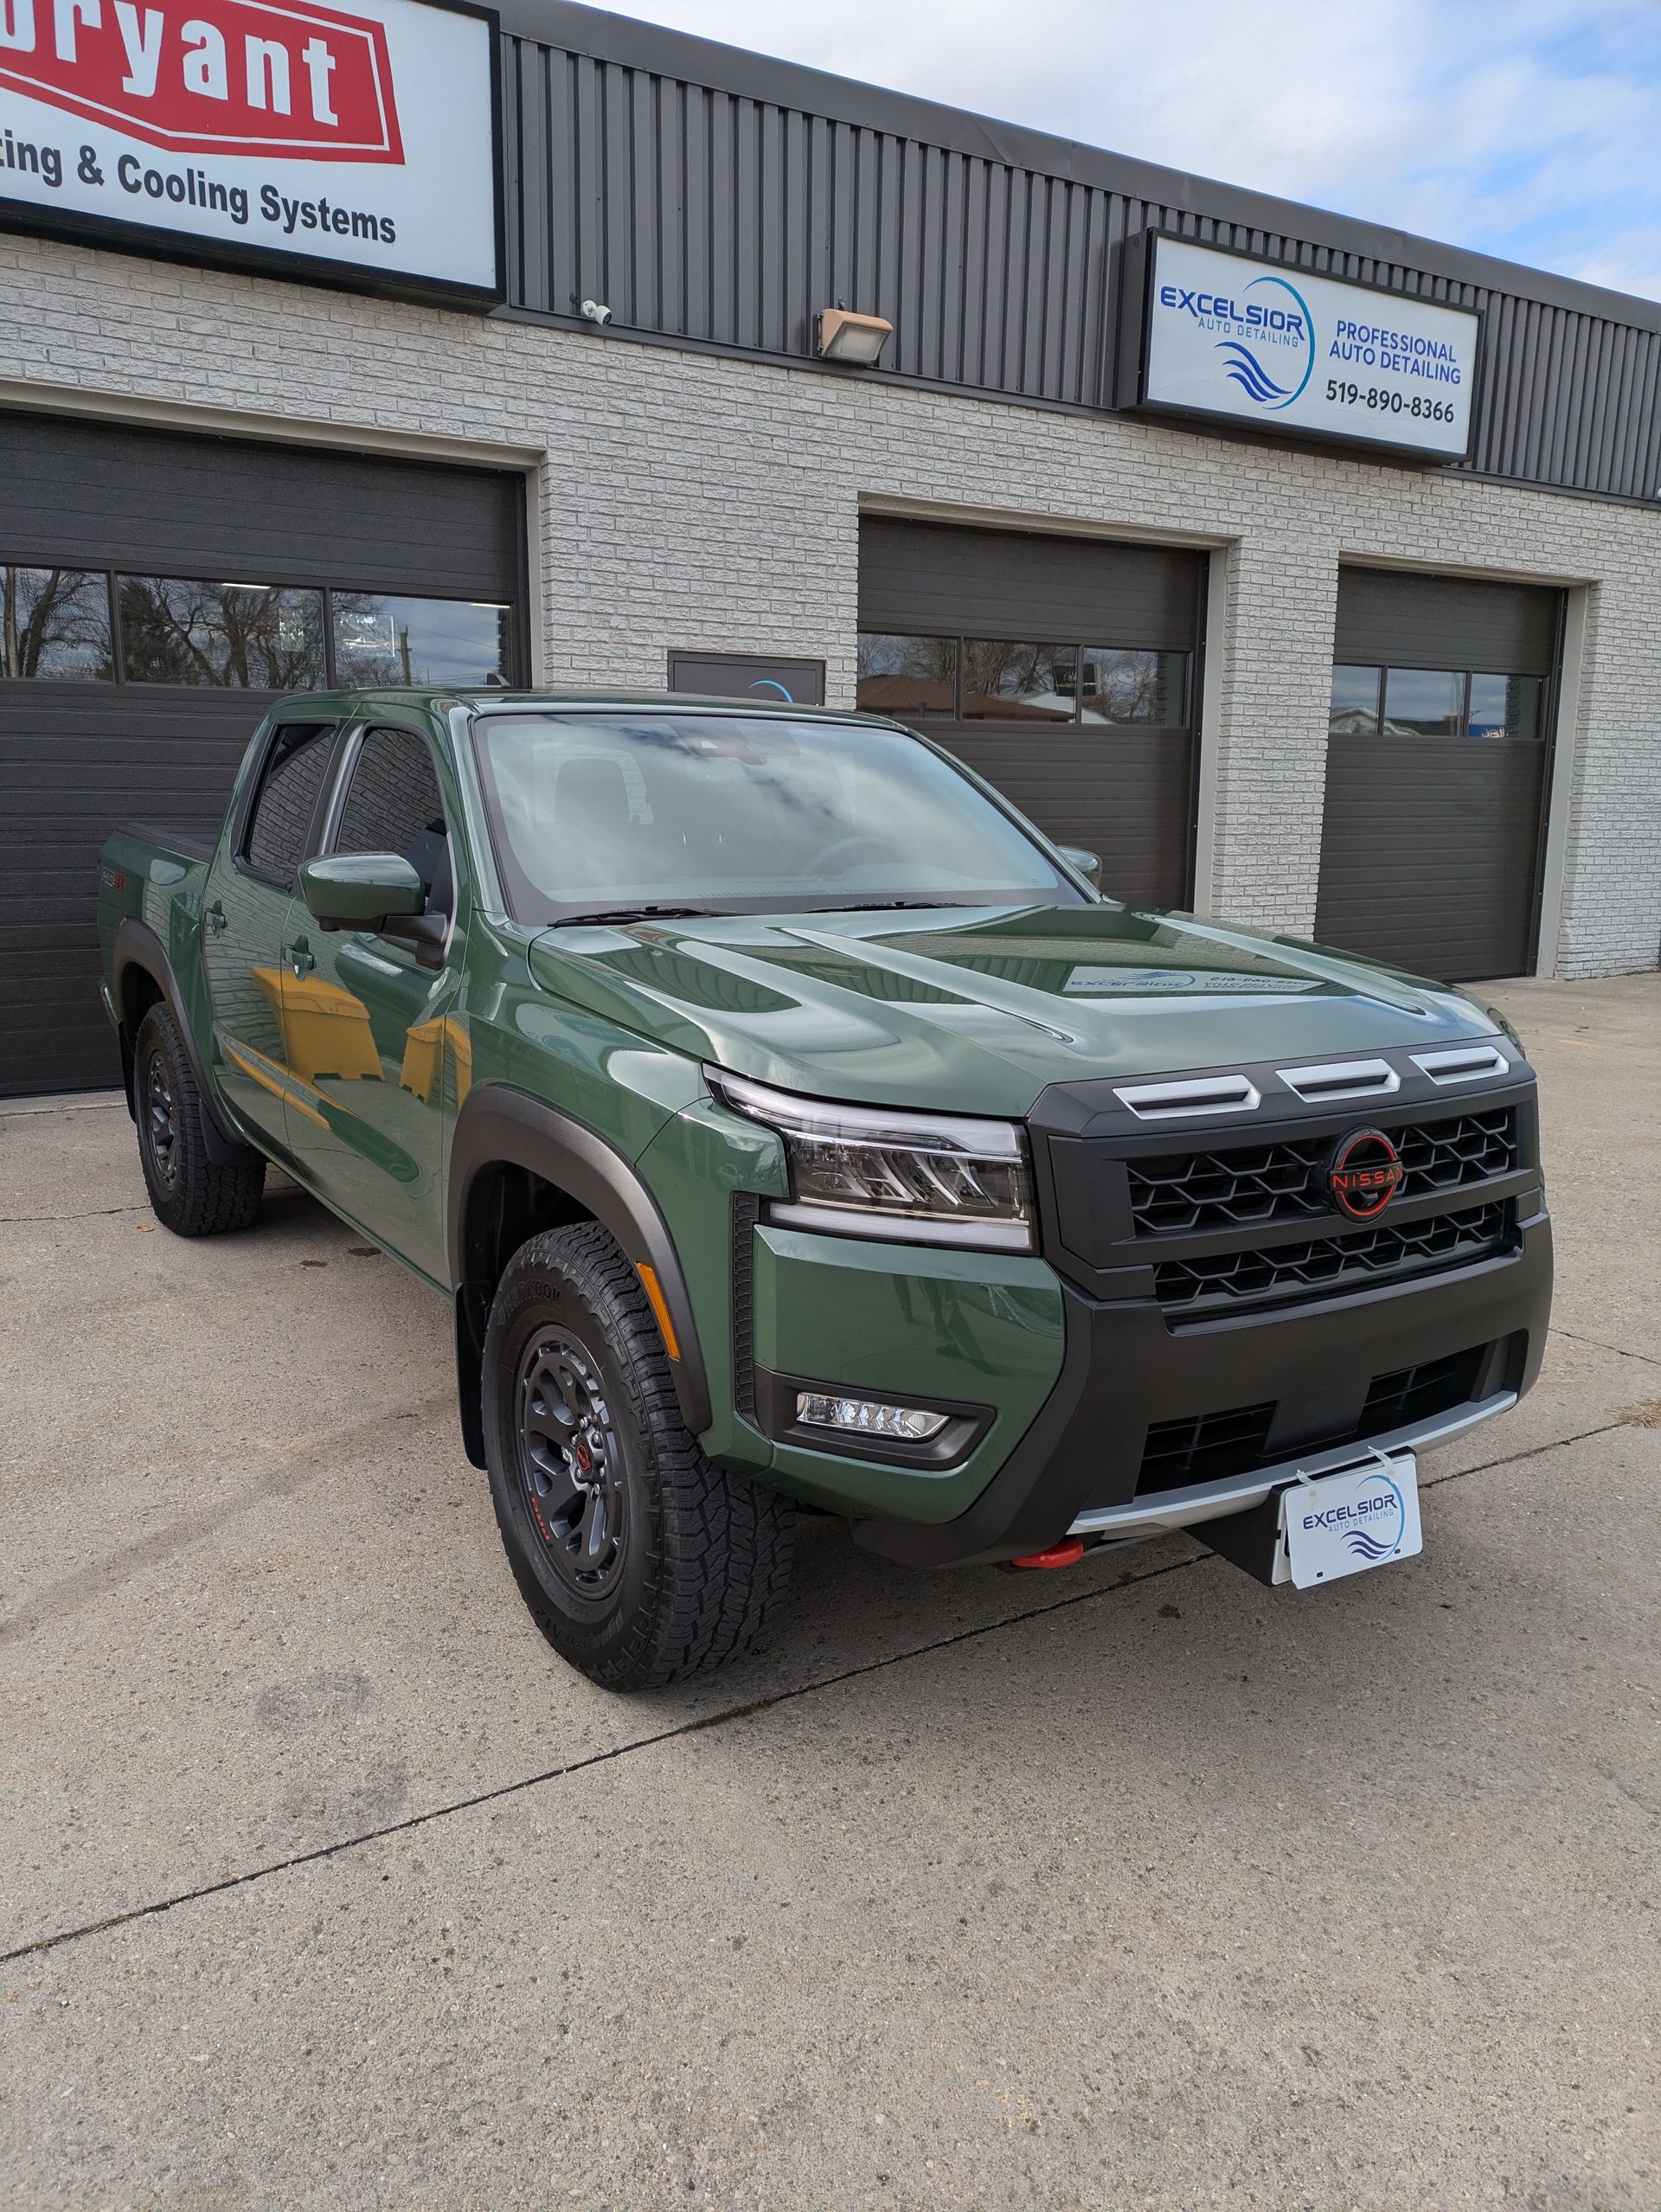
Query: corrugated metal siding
point(730, 219)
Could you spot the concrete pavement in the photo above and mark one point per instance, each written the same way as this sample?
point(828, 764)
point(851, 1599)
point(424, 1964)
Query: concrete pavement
point(322, 1883)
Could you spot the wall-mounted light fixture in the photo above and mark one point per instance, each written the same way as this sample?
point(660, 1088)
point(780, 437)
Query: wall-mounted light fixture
point(856, 340)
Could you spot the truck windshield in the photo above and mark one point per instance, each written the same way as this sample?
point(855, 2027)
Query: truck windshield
point(740, 813)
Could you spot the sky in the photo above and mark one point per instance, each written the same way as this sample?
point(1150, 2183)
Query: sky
point(1527, 128)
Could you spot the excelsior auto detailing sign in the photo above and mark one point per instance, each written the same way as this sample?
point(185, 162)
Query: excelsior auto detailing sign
point(360, 137)
point(1266, 343)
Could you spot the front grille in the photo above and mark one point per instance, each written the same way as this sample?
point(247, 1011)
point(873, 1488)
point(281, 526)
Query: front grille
point(1242, 1186)
point(1227, 1280)
point(1212, 1447)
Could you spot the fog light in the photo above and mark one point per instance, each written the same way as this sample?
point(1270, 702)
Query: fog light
point(867, 1417)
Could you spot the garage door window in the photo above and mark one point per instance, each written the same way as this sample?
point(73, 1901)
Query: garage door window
point(240, 636)
point(1507, 706)
point(382, 638)
point(1434, 702)
point(912, 676)
point(55, 622)
point(1117, 685)
point(1002, 680)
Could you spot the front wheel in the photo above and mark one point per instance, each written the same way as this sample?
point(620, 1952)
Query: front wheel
point(640, 1559)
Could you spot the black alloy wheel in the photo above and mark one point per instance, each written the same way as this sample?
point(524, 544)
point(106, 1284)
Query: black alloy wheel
point(571, 1462)
point(158, 1128)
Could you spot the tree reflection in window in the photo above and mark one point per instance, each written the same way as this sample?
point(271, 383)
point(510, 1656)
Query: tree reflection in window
point(1121, 683)
point(907, 675)
point(247, 637)
point(1003, 682)
point(55, 622)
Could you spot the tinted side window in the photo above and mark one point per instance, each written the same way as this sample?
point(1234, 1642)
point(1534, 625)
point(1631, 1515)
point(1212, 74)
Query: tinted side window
point(393, 806)
point(275, 843)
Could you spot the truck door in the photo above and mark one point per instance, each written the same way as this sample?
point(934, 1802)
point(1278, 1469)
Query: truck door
point(249, 889)
point(376, 1046)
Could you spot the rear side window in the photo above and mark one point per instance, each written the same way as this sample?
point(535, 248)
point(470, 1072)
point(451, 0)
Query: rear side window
point(393, 806)
point(276, 842)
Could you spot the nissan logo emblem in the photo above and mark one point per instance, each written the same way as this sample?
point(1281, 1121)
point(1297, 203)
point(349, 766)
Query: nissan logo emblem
point(1365, 1174)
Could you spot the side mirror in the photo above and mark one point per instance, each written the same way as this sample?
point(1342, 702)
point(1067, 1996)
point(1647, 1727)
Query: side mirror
point(359, 890)
point(1088, 864)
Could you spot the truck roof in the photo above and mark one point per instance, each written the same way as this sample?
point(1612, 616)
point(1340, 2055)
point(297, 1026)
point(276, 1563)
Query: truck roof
point(435, 698)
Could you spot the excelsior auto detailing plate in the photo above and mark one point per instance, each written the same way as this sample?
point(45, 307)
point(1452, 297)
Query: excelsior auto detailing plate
point(1362, 1516)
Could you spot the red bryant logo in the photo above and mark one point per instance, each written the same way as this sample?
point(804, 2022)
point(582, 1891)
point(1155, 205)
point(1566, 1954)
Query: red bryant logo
point(211, 76)
point(1365, 1175)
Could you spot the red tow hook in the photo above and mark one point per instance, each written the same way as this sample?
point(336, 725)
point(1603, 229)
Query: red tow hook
point(1067, 1553)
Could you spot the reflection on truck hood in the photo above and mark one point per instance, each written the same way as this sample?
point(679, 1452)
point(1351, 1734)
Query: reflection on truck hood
point(978, 1009)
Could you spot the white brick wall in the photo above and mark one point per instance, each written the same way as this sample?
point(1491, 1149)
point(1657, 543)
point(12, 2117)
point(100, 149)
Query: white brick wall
point(693, 501)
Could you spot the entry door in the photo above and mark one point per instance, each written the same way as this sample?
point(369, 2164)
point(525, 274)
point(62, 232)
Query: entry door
point(376, 1039)
point(245, 911)
point(1437, 773)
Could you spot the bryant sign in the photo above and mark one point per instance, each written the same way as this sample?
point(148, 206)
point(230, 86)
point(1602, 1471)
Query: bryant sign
point(1266, 343)
point(353, 144)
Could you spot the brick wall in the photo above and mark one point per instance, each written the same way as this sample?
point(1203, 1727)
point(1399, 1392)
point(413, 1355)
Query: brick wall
point(692, 501)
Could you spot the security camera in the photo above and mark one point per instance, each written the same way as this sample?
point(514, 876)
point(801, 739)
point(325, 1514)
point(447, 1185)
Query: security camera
point(594, 310)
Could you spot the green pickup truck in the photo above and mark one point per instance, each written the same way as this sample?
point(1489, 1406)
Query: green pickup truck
point(793, 1127)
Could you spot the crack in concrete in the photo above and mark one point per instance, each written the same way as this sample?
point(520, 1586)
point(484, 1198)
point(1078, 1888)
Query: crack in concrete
point(1598, 1346)
point(697, 1726)
point(97, 1213)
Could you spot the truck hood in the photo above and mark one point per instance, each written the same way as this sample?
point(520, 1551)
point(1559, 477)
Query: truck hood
point(976, 1009)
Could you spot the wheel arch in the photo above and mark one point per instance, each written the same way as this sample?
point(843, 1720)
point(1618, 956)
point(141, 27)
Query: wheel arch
point(141, 975)
point(517, 1166)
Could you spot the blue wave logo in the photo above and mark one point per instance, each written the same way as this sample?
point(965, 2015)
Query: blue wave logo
point(1367, 1546)
point(1246, 367)
point(1386, 1525)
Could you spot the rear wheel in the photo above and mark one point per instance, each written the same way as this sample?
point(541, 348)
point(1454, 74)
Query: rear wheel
point(190, 1194)
point(640, 1559)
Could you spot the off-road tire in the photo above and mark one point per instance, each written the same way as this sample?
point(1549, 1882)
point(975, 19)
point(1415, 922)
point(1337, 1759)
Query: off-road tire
point(190, 1193)
point(694, 1561)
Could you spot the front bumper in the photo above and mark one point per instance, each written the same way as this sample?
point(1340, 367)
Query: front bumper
point(1077, 1468)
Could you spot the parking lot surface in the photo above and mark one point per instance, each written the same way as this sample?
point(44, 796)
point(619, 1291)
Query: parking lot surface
point(323, 1883)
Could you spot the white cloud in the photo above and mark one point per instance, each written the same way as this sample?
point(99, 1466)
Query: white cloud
point(1527, 128)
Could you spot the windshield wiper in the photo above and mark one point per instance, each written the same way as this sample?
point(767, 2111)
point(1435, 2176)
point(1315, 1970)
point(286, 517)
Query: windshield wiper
point(889, 906)
point(637, 913)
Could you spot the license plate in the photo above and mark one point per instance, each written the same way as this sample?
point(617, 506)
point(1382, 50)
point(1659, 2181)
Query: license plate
point(1343, 1524)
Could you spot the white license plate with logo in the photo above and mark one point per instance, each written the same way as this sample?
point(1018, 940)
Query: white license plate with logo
point(1341, 1524)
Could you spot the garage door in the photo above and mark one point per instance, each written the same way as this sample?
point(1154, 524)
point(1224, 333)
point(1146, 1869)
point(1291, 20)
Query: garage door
point(155, 593)
point(1436, 772)
point(1064, 672)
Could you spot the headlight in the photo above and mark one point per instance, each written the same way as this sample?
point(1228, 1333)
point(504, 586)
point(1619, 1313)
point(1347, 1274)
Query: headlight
point(928, 1178)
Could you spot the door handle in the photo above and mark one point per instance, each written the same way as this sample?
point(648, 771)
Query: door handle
point(216, 918)
point(300, 957)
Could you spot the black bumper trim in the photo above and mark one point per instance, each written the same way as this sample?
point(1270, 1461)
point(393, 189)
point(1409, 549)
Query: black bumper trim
point(1124, 1368)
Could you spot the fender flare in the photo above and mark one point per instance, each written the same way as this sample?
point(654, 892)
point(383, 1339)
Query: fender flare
point(497, 1124)
point(136, 945)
